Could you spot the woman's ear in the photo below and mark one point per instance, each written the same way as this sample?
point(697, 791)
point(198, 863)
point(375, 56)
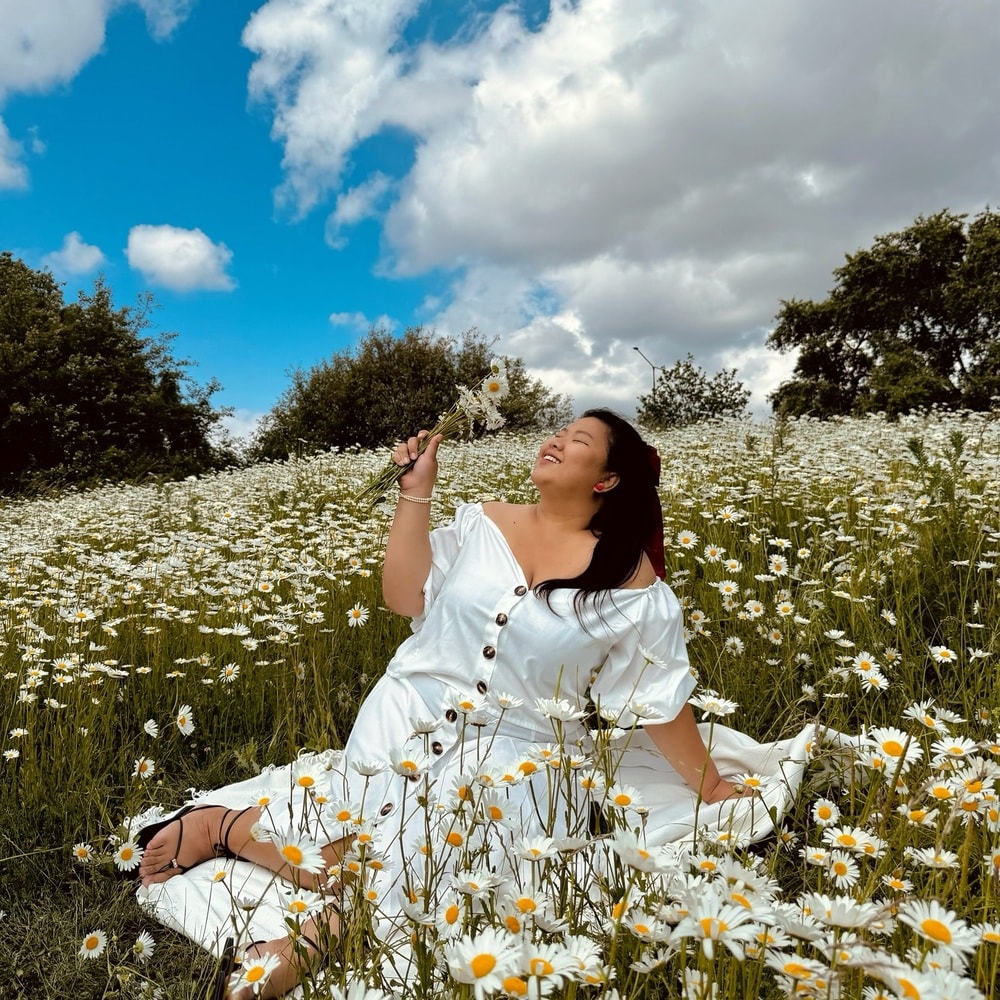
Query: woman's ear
point(607, 482)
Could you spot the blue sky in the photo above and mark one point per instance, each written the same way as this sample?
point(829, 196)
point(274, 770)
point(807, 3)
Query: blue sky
point(574, 179)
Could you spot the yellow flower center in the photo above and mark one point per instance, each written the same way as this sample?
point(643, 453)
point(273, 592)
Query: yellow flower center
point(306, 781)
point(451, 914)
point(513, 924)
point(847, 840)
point(292, 853)
point(527, 767)
point(710, 926)
point(496, 812)
point(483, 965)
point(621, 799)
point(526, 904)
point(515, 986)
point(255, 974)
point(126, 854)
point(455, 839)
point(936, 930)
point(541, 967)
point(893, 748)
point(92, 942)
point(909, 989)
point(796, 970)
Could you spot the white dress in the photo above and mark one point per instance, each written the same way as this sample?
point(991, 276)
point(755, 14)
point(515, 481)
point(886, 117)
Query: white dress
point(485, 641)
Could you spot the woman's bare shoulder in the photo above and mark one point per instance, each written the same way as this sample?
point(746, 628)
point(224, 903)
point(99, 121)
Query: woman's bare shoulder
point(504, 513)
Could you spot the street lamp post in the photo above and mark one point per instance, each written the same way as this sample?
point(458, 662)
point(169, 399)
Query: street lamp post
point(651, 365)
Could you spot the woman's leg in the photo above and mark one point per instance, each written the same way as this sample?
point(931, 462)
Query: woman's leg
point(210, 828)
point(296, 959)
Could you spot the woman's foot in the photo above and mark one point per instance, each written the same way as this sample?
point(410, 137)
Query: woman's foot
point(193, 836)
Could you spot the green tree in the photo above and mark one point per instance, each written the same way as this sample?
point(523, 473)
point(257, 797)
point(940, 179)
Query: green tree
point(389, 385)
point(912, 322)
point(685, 394)
point(85, 397)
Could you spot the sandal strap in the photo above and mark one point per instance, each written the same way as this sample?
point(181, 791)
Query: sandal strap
point(222, 848)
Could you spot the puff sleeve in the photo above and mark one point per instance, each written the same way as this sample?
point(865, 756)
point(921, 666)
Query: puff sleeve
point(648, 664)
point(446, 542)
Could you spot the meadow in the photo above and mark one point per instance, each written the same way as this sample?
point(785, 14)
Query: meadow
point(161, 638)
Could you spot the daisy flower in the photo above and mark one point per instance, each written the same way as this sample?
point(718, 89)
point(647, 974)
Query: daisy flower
point(941, 927)
point(710, 703)
point(687, 539)
point(483, 961)
point(93, 945)
point(825, 812)
point(299, 851)
point(184, 720)
point(128, 856)
point(144, 946)
point(144, 768)
point(942, 654)
point(150, 728)
point(408, 763)
point(83, 853)
point(357, 616)
point(254, 972)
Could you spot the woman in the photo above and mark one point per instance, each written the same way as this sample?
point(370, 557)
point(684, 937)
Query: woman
point(525, 613)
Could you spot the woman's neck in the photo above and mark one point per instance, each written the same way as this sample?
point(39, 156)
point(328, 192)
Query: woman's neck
point(564, 515)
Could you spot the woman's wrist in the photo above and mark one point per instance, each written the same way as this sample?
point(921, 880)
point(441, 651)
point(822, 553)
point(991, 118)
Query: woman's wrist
point(414, 498)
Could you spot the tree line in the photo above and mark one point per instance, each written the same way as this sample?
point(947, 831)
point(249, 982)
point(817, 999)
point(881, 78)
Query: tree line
point(87, 395)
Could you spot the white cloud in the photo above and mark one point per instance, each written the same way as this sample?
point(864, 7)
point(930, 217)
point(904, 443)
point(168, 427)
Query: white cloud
point(634, 172)
point(46, 42)
point(184, 260)
point(74, 257)
point(241, 424)
point(163, 16)
point(360, 323)
point(352, 206)
point(13, 173)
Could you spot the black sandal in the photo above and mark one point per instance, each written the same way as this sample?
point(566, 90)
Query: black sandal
point(219, 849)
point(227, 966)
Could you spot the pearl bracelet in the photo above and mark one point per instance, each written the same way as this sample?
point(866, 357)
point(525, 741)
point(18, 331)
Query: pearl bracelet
point(403, 496)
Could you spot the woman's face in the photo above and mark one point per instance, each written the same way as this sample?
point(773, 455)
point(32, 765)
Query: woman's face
point(575, 458)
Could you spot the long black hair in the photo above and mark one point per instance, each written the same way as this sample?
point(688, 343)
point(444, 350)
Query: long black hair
point(625, 519)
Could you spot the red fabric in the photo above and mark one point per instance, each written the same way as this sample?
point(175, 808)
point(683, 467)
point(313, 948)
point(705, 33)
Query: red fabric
point(654, 546)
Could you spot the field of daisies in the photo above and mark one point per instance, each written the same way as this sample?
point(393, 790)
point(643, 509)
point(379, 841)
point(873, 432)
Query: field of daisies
point(157, 640)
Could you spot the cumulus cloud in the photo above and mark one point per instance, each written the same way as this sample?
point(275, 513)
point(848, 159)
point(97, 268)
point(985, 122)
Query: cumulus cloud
point(74, 257)
point(13, 173)
point(184, 260)
point(631, 172)
point(44, 43)
point(359, 203)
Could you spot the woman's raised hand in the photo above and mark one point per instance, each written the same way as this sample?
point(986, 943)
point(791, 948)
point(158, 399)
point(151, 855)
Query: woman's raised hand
point(420, 478)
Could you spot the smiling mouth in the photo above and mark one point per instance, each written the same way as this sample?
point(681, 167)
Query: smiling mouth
point(551, 458)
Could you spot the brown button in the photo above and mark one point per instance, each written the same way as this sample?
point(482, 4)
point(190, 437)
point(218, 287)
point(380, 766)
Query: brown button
point(489, 652)
point(451, 715)
point(520, 590)
point(437, 747)
point(481, 687)
point(501, 619)
point(386, 809)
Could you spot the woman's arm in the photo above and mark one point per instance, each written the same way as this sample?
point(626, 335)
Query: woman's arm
point(681, 743)
point(408, 547)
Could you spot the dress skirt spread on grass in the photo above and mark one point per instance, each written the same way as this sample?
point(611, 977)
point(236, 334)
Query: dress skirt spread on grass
point(478, 748)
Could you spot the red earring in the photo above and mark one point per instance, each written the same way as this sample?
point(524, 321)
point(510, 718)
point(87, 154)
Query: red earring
point(598, 488)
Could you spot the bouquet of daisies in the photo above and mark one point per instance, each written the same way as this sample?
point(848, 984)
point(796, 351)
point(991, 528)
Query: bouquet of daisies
point(474, 406)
